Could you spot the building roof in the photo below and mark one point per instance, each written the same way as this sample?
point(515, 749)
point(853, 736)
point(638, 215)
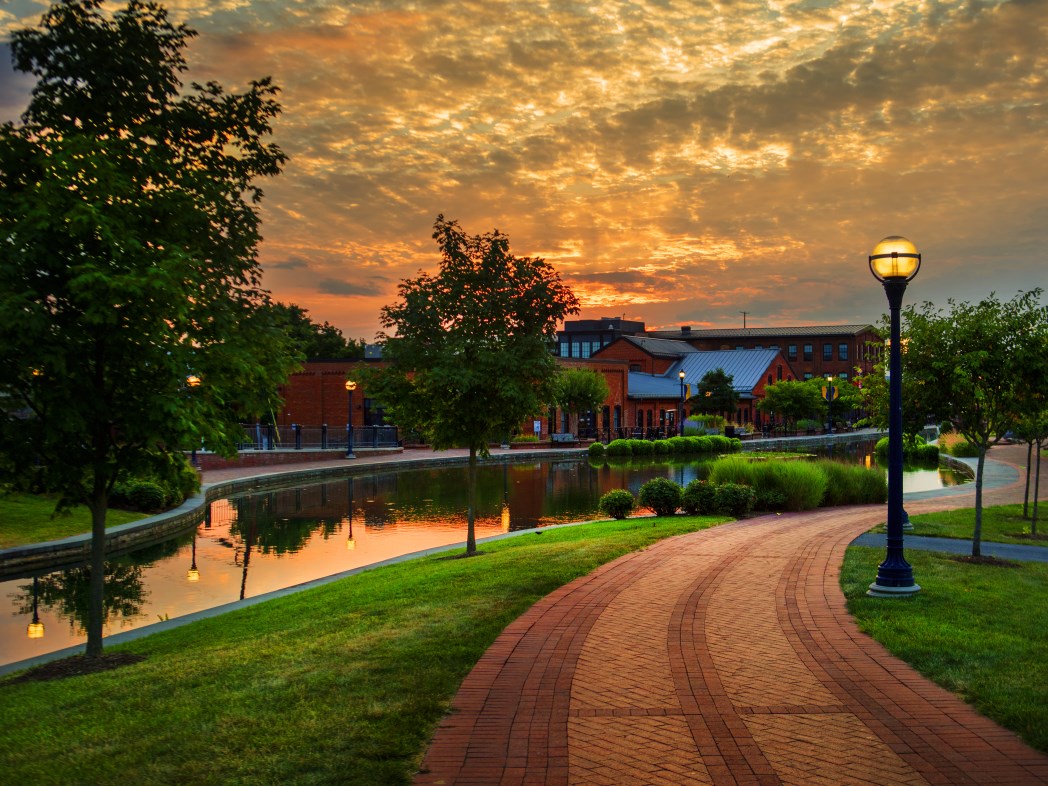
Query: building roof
point(765, 332)
point(746, 367)
point(656, 347)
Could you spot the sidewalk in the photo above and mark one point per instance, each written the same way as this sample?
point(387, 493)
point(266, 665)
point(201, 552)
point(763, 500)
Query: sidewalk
point(723, 656)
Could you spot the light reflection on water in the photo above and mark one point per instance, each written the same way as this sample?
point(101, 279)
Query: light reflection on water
point(253, 544)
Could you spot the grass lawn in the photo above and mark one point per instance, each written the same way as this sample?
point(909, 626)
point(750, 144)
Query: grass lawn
point(1000, 524)
point(29, 518)
point(980, 631)
point(344, 683)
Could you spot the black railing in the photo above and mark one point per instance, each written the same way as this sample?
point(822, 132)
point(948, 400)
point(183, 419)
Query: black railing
point(323, 437)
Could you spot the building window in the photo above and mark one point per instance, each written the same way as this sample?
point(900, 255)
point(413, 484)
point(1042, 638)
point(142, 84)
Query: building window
point(778, 372)
point(808, 375)
point(565, 349)
point(842, 352)
point(791, 351)
point(758, 346)
point(576, 349)
point(771, 379)
point(640, 418)
point(634, 366)
point(773, 346)
point(809, 351)
point(585, 349)
point(843, 375)
point(738, 346)
point(827, 351)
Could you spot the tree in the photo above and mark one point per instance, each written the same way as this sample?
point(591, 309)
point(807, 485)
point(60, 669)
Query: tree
point(132, 323)
point(1032, 428)
point(874, 395)
point(469, 351)
point(314, 340)
point(980, 368)
point(792, 400)
point(579, 390)
point(715, 394)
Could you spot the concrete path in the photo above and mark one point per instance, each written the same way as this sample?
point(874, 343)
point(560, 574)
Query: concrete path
point(723, 656)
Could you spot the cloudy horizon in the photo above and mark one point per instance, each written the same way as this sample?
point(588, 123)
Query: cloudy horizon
point(677, 162)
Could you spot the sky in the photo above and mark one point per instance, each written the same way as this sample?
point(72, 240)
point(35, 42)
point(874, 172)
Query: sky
point(677, 161)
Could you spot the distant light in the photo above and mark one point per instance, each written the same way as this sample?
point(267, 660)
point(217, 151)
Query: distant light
point(35, 630)
point(192, 380)
point(351, 385)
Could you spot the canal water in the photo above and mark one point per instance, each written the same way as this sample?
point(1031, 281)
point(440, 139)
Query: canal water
point(252, 544)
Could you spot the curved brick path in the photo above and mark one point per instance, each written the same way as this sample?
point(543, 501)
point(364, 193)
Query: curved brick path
point(723, 656)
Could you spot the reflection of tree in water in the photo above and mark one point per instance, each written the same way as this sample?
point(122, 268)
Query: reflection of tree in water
point(280, 523)
point(67, 594)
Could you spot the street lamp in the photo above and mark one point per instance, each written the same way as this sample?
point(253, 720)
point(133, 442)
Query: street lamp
point(35, 629)
point(894, 262)
point(193, 381)
point(681, 426)
point(350, 387)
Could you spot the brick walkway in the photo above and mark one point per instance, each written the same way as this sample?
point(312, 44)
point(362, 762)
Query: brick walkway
point(723, 656)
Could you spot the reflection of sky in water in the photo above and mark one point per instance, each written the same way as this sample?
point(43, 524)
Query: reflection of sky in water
point(257, 543)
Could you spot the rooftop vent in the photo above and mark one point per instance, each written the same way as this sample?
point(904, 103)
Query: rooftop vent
point(685, 330)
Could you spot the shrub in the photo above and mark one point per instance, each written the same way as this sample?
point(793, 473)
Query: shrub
point(618, 504)
point(146, 496)
point(768, 499)
point(733, 499)
point(924, 454)
point(679, 444)
point(525, 438)
point(732, 470)
point(661, 495)
point(808, 425)
point(703, 444)
point(620, 447)
point(642, 447)
point(662, 447)
point(699, 498)
point(597, 450)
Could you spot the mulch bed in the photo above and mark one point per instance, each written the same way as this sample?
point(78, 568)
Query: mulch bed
point(75, 666)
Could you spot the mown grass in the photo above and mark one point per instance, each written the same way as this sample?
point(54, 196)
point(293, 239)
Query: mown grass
point(31, 518)
point(339, 684)
point(1000, 524)
point(980, 631)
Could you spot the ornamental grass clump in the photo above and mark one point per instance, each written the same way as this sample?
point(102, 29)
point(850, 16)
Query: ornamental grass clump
point(661, 495)
point(732, 470)
point(849, 484)
point(802, 482)
point(618, 504)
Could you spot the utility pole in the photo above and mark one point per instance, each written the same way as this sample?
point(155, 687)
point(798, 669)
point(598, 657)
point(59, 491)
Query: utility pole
point(744, 313)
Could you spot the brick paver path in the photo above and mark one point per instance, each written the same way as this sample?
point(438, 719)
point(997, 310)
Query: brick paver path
point(723, 656)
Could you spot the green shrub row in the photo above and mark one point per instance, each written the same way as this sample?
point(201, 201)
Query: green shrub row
point(150, 494)
point(712, 443)
point(736, 486)
point(915, 452)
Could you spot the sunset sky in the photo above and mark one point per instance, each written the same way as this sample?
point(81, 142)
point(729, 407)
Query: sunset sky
point(677, 161)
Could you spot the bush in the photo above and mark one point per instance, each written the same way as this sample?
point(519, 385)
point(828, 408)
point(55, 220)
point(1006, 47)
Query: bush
point(679, 444)
point(620, 447)
point(597, 450)
point(618, 504)
point(733, 499)
point(146, 496)
point(964, 449)
point(703, 444)
point(662, 447)
point(768, 499)
point(661, 495)
point(642, 447)
point(699, 498)
point(808, 425)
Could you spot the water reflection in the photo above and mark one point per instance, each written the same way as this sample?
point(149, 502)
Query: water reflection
point(255, 543)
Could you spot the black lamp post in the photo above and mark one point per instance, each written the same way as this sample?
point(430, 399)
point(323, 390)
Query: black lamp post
point(193, 381)
point(894, 262)
point(680, 425)
point(350, 387)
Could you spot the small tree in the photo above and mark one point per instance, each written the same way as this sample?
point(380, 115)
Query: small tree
point(980, 367)
point(469, 348)
point(314, 340)
point(579, 390)
point(715, 394)
point(132, 323)
point(1032, 428)
point(792, 401)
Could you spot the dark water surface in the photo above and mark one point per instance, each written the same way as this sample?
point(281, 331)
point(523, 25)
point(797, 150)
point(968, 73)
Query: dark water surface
point(252, 544)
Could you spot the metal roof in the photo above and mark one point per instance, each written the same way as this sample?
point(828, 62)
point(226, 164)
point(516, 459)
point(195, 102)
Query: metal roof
point(658, 347)
point(765, 332)
point(746, 367)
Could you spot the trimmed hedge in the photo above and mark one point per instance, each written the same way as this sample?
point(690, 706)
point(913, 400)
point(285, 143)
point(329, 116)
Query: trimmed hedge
point(597, 450)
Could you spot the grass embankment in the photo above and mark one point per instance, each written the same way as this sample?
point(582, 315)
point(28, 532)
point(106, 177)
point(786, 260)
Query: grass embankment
point(1000, 524)
point(30, 518)
point(980, 631)
point(342, 683)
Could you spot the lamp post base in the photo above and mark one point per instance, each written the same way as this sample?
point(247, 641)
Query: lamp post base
point(878, 591)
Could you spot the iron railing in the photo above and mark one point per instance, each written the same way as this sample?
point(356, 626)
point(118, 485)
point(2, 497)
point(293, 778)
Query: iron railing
point(299, 437)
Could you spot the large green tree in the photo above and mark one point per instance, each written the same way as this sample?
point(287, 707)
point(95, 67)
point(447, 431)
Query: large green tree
point(980, 368)
point(715, 393)
point(315, 340)
point(132, 323)
point(579, 390)
point(470, 348)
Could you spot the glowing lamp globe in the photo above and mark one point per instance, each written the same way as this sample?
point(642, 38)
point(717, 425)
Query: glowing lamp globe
point(895, 259)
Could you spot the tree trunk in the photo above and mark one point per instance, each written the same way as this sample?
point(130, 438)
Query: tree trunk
point(96, 604)
point(977, 534)
point(1029, 467)
point(1036, 490)
point(471, 505)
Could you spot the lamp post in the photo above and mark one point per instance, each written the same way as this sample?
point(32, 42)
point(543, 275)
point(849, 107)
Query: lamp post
point(894, 262)
point(350, 387)
point(35, 629)
point(681, 425)
point(193, 381)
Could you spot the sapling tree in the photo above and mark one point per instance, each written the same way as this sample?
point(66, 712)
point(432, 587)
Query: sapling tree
point(579, 390)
